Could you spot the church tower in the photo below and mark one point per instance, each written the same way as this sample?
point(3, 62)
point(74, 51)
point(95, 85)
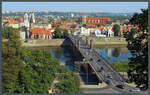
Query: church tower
point(83, 18)
point(31, 23)
point(26, 18)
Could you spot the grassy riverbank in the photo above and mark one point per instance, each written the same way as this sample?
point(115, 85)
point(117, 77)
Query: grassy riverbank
point(98, 42)
point(121, 66)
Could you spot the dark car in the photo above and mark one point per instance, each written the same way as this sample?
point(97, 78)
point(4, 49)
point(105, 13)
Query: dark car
point(91, 59)
point(109, 76)
point(98, 60)
point(108, 81)
point(102, 68)
point(121, 86)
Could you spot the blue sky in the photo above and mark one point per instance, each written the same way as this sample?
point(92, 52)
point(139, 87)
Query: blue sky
point(123, 7)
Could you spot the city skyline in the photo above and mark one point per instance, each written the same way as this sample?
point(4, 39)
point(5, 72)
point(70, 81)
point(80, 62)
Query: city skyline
point(112, 7)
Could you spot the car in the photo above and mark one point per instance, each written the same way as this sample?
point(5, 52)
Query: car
point(98, 60)
point(135, 90)
point(109, 76)
point(100, 70)
point(91, 59)
point(108, 81)
point(121, 86)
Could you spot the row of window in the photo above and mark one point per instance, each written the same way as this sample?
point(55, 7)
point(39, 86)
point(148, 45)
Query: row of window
point(99, 20)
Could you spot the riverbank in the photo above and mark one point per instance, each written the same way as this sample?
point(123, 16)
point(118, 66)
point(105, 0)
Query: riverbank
point(98, 42)
point(51, 42)
point(108, 41)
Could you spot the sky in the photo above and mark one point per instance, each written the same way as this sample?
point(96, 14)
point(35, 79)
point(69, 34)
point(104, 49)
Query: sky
point(116, 7)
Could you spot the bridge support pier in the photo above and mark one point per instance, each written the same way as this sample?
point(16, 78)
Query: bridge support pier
point(86, 40)
point(91, 44)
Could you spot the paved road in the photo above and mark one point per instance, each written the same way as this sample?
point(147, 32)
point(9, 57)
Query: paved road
point(92, 57)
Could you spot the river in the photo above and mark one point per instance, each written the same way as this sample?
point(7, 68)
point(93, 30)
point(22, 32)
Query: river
point(64, 54)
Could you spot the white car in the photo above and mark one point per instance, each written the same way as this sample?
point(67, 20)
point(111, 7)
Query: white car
point(135, 90)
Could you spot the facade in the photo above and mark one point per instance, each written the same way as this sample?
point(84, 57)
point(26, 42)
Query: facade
point(104, 32)
point(22, 35)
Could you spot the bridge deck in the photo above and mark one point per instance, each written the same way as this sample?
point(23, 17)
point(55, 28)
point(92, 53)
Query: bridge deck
point(92, 57)
point(96, 61)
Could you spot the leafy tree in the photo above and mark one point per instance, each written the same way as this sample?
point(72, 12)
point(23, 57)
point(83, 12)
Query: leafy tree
point(24, 28)
point(84, 25)
point(12, 62)
point(65, 33)
point(69, 82)
point(116, 52)
point(50, 19)
point(116, 29)
point(74, 26)
point(138, 45)
point(58, 33)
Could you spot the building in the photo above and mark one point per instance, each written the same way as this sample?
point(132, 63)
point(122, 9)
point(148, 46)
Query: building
point(93, 21)
point(10, 22)
point(22, 35)
point(104, 32)
point(41, 33)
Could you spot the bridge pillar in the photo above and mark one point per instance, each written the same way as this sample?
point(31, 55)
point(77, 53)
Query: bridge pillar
point(91, 44)
point(77, 67)
point(86, 40)
point(78, 44)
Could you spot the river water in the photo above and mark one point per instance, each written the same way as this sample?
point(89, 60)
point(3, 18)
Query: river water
point(64, 54)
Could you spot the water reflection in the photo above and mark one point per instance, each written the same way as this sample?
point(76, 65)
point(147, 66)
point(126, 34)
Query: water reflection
point(114, 54)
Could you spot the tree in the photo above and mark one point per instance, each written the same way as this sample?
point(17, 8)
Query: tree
point(116, 29)
point(24, 28)
point(50, 19)
point(138, 45)
point(73, 26)
point(84, 25)
point(12, 63)
point(65, 33)
point(58, 33)
point(116, 52)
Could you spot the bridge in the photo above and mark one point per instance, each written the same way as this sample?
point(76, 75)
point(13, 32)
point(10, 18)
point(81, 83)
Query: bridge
point(96, 62)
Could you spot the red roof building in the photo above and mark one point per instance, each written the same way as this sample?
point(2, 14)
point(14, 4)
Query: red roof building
point(94, 20)
point(10, 20)
point(41, 33)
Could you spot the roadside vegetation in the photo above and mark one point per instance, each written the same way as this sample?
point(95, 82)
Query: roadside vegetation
point(121, 66)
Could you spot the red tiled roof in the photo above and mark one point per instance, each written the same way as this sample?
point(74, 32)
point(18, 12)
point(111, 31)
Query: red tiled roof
point(41, 31)
point(10, 20)
point(97, 18)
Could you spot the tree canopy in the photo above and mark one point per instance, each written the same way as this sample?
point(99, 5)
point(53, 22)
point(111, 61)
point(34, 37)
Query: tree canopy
point(116, 29)
point(138, 45)
point(58, 32)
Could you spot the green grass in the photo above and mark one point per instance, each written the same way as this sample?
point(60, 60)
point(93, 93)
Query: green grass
point(109, 45)
point(48, 41)
point(121, 66)
point(109, 39)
